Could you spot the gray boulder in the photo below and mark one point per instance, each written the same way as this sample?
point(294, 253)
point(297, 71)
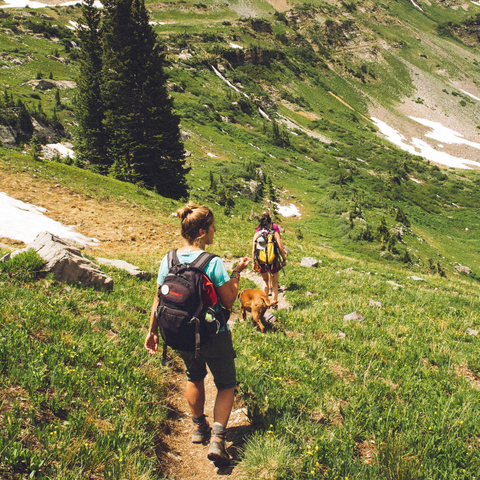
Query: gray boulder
point(374, 303)
point(67, 263)
point(122, 265)
point(353, 316)
point(461, 268)
point(252, 189)
point(309, 262)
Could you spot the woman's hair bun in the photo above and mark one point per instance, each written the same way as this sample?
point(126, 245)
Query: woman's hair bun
point(185, 211)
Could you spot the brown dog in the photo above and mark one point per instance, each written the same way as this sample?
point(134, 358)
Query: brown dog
point(256, 302)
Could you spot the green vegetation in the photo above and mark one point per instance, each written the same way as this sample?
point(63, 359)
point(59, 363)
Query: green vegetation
point(393, 396)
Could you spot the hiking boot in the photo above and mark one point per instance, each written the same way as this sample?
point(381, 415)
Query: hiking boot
point(216, 451)
point(201, 430)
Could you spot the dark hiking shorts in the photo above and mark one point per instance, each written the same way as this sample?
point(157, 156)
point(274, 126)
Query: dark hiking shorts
point(219, 355)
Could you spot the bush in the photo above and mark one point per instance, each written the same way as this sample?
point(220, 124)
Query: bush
point(23, 267)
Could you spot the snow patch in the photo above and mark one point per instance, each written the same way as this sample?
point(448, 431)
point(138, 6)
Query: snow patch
point(62, 150)
point(227, 82)
point(288, 210)
point(234, 45)
point(25, 3)
point(444, 134)
point(420, 147)
point(24, 221)
point(469, 94)
point(415, 5)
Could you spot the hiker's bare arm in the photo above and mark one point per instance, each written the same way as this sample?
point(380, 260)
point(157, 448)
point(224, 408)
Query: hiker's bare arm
point(281, 246)
point(228, 291)
point(151, 342)
point(253, 246)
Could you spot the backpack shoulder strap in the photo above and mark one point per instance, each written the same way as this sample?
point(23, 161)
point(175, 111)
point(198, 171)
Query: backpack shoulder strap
point(172, 259)
point(203, 260)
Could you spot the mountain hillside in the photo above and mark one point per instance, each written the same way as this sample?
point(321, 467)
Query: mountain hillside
point(356, 123)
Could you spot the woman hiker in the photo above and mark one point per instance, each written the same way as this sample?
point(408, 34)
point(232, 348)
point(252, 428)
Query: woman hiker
point(270, 272)
point(198, 230)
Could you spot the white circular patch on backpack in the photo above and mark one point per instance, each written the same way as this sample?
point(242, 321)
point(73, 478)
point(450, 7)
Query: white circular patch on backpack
point(165, 289)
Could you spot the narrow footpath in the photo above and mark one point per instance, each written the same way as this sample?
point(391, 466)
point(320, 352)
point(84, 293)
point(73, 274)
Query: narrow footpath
point(184, 460)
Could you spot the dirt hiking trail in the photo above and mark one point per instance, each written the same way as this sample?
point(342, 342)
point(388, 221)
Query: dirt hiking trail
point(183, 460)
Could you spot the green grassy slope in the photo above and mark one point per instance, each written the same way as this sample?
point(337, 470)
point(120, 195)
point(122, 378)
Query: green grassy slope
point(397, 397)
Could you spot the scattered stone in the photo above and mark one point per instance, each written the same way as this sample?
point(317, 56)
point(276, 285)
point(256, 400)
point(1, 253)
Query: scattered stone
point(66, 262)
point(309, 262)
point(373, 303)
point(471, 331)
point(461, 268)
point(122, 265)
point(309, 294)
point(270, 317)
point(353, 316)
point(417, 279)
point(390, 282)
point(341, 335)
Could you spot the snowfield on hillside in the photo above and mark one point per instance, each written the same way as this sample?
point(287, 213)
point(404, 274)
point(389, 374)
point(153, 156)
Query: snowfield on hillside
point(24, 221)
point(420, 147)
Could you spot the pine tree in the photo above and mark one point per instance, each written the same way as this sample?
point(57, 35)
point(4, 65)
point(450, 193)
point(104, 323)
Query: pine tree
point(92, 139)
point(144, 135)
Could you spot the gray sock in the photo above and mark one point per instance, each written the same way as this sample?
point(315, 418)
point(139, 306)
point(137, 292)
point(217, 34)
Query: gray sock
point(199, 420)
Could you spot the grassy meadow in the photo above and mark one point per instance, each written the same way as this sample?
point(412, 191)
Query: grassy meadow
point(395, 395)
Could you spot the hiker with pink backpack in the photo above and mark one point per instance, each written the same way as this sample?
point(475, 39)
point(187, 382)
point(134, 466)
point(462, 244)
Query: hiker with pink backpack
point(269, 253)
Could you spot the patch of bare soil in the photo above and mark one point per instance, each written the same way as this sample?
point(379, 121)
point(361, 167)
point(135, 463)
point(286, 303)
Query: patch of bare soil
point(122, 228)
point(279, 5)
point(465, 372)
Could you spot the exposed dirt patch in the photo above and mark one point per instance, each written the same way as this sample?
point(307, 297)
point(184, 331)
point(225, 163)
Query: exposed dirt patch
point(125, 228)
point(310, 116)
point(465, 372)
point(366, 450)
point(279, 5)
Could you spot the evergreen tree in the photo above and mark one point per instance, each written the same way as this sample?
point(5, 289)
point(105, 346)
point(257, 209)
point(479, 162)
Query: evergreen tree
point(213, 185)
point(23, 118)
point(92, 139)
point(144, 135)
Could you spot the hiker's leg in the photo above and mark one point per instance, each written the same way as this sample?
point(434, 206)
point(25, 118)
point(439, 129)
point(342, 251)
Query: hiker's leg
point(275, 286)
point(223, 406)
point(195, 392)
point(266, 279)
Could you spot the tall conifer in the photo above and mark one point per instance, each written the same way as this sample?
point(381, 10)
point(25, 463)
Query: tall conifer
point(92, 139)
point(144, 137)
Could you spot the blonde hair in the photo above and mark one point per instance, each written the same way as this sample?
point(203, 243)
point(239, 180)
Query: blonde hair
point(194, 218)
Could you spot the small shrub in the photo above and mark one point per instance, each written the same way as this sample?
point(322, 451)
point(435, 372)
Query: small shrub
point(23, 267)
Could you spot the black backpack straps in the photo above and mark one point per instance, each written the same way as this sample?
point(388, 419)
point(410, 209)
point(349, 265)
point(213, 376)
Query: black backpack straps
point(172, 259)
point(203, 260)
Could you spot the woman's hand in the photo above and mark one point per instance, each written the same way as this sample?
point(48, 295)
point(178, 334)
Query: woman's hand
point(242, 264)
point(151, 343)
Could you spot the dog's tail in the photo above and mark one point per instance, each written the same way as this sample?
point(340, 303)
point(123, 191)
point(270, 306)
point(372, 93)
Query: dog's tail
point(270, 304)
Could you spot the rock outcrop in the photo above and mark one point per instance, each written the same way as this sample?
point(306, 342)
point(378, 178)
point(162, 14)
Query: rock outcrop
point(66, 262)
point(128, 267)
